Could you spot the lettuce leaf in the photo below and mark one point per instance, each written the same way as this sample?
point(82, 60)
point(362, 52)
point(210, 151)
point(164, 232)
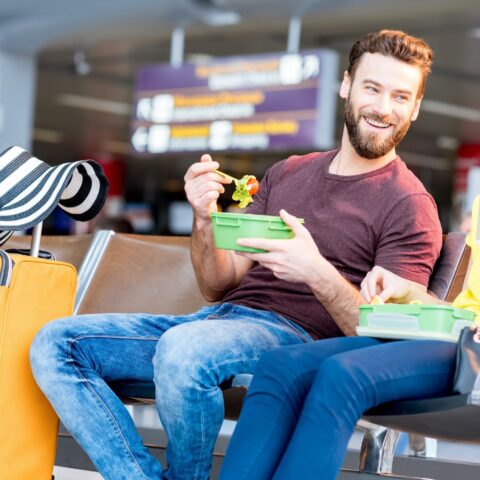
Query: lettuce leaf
point(241, 193)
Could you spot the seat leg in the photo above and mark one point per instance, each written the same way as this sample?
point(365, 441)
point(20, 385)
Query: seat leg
point(376, 454)
point(356, 475)
point(378, 449)
point(420, 446)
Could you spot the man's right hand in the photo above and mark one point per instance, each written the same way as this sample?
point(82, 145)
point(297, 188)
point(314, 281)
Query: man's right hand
point(203, 187)
point(388, 286)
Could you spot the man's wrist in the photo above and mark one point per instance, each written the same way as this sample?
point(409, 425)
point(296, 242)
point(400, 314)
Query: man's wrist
point(201, 223)
point(413, 294)
point(323, 278)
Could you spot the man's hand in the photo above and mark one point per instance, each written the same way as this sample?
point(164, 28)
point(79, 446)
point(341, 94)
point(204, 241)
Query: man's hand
point(293, 260)
point(386, 285)
point(203, 187)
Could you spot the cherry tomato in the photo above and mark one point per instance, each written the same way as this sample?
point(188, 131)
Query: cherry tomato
point(252, 186)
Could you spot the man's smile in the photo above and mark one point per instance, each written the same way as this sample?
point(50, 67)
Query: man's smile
point(376, 124)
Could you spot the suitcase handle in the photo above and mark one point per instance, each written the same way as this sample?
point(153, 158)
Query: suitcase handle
point(46, 255)
point(36, 236)
point(6, 269)
point(7, 262)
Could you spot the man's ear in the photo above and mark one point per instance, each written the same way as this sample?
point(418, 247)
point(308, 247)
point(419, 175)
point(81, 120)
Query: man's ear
point(345, 87)
point(416, 109)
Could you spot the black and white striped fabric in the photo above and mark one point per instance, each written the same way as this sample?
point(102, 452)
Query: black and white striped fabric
point(30, 189)
point(4, 236)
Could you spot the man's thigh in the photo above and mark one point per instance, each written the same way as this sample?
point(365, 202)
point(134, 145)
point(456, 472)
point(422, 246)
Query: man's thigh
point(116, 346)
point(223, 345)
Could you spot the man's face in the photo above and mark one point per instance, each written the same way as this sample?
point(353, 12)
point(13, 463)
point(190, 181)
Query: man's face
point(381, 102)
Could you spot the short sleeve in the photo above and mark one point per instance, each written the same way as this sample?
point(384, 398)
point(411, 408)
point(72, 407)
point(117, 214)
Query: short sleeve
point(411, 239)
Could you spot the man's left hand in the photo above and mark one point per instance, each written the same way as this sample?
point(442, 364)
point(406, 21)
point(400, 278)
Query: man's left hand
point(294, 260)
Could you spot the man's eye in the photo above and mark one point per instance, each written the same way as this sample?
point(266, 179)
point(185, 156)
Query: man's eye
point(372, 89)
point(401, 98)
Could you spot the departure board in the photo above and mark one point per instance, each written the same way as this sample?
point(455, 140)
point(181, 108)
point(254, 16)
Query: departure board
point(262, 102)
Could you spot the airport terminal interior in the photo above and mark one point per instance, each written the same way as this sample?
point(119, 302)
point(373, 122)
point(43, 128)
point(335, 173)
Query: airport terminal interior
point(146, 87)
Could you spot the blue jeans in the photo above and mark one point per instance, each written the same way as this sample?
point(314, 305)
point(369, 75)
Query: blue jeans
point(187, 357)
point(305, 400)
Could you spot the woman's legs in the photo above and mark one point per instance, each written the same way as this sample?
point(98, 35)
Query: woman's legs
point(348, 384)
point(273, 405)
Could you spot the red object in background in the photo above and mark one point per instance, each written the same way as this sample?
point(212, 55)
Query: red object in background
point(468, 157)
point(114, 169)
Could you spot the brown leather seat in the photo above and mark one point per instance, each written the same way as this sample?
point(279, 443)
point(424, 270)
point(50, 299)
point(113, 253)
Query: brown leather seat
point(155, 259)
point(144, 274)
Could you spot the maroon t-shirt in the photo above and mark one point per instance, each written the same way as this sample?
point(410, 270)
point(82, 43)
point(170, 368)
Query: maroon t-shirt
point(384, 217)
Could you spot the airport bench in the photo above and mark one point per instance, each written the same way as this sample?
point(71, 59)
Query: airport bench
point(108, 282)
point(162, 258)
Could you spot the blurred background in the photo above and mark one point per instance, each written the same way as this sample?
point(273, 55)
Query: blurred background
point(106, 80)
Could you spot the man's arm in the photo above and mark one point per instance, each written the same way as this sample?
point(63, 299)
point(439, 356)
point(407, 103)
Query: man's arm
point(338, 296)
point(299, 260)
point(388, 286)
point(217, 271)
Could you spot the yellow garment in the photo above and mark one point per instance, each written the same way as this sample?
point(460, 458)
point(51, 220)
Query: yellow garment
point(470, 298)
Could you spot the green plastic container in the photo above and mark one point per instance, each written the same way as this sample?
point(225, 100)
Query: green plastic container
point(413, 321)
point(229, 227)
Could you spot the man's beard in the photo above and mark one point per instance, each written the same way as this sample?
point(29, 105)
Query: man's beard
point(371, 145)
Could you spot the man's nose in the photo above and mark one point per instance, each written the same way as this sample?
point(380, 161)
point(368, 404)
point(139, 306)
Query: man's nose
point(383, 106)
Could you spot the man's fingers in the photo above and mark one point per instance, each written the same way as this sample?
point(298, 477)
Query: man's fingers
point(371, 285)
point(206, 158)
point(264, 259)
point(387, 293)
point(205, 183)
point(293, 222)
point(261, 243)
point(208, 197)
point(200, 168)
point(364, 291)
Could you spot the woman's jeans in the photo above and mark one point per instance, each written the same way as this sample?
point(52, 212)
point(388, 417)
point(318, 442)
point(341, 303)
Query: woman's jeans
point(305, 400)
point(188, 357)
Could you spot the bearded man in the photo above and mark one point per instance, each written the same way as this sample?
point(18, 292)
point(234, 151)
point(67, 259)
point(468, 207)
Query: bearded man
point(362, 207)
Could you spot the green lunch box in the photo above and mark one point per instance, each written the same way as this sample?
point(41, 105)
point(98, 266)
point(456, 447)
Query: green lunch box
point(413, 321)
point(229, 227)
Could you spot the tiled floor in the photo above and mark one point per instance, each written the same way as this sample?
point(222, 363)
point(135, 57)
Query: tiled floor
point(62, 473)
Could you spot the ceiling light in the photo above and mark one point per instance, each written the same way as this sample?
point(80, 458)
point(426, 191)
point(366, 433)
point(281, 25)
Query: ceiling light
point(93, 103)
point(199, 58)
point(115, 146)
point(475, 33)
point(222, 19)
point(447, 143)
point(215, 13)
point(425, 161)
point(80, 65)
point(47, 136)
point(451, 110)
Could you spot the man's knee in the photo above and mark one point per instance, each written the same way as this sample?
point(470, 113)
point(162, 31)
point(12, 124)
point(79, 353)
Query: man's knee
point(193, 354)
point(180, 356)
point(48, 348)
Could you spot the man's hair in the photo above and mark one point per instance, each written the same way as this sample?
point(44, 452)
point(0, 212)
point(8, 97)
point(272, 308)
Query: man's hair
point(396, 44)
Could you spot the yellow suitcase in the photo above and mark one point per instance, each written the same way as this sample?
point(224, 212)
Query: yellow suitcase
point(34, 291)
